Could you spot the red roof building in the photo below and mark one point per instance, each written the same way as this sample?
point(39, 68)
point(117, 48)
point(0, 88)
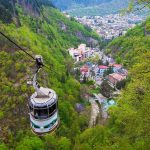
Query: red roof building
point(116, 67)
point(84, 69)
point(115, 77)
point(103, 67)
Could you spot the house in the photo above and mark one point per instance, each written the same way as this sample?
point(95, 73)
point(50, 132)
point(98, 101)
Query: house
point(82, 47)
point(123, 72)
point(80, 53)
point(75, 54)
point(101, 70)
point(114, 78)
point(116, 67)
point(85, 72)
point(89, 64)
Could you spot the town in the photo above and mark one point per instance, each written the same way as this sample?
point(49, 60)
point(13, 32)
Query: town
point(110, 26)
point(93, 67)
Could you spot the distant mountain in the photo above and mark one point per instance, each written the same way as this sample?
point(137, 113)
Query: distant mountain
point(90, 7)
point(69, 4)
point(111, 7)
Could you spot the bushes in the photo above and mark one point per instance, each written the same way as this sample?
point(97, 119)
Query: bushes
point(30, 143)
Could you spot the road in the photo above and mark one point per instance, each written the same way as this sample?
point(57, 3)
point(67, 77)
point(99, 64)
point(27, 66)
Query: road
point(94, 112)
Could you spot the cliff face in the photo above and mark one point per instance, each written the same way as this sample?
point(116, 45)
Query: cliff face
point(8, 8)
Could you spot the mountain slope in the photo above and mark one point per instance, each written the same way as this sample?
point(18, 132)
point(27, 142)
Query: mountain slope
point(68, 4)
point(112, 7)
point(128, 127)
point(50, 39)
point(91, 8)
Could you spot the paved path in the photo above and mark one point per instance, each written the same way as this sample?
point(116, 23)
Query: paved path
point(94, 112)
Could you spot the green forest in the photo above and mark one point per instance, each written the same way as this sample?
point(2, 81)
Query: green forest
point(128, 125)
point(100, 9)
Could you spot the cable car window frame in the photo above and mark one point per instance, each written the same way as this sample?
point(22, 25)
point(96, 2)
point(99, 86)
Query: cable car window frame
point(50, 114)
point(39, 112)
point(31, 106)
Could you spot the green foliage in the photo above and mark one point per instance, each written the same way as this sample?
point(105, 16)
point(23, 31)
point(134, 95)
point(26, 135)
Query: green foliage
point(90, 8)
point(129, 120)
point(109, 71)
point(121, 84)
point(3, 146)
point(92, 138)
point(30, 143)
point(51, 41)
point(128, 126)
point(64, 144)
point(106, 89)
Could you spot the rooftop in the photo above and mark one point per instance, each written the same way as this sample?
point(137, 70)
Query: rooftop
point(103, 67)
point(85, 68)
point(116, 65)
point(46, 97)
point(117, 76)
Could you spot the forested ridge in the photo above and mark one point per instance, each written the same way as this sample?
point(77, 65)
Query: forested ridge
point(90, 7)
point(50, 38)
point(128, 125)
point(67, 4)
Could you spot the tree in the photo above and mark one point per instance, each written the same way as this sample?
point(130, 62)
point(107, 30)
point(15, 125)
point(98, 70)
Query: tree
point(3, 146)
point(51, 142)
point(121, 84)
point(107, 63)
point(84, 78)
point(100, 62)
point(63, 78)
point(64, 144)
point(92, 138)
point(109, 71)
point(29, 143)
point(138, 5)
point(77, 74)
point(106, 89)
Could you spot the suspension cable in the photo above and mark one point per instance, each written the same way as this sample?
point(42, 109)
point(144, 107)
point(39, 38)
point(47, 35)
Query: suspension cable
point(16, 44)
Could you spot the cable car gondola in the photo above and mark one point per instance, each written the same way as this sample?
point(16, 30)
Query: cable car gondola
point(43, 105)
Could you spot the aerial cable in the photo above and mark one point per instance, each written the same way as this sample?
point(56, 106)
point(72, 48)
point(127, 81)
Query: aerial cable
point(9, 39)
point(16, 45)
point(20, 48)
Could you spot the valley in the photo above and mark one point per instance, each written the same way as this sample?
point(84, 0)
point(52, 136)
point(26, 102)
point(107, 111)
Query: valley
point(91, 8)
point(111, 26)
point(101, 80)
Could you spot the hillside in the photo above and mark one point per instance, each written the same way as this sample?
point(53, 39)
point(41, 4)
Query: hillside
point(50, 38)
point(68, 4)
point(128, 126)
point(94, 8)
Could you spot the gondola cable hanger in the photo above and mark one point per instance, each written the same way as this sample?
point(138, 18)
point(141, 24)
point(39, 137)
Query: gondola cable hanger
point(43, 104)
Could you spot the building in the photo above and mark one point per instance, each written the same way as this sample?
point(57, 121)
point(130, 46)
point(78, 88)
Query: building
point(80, 53)
point(114, 78)
point(85, 72)
point(116, 67)
point(101, 70)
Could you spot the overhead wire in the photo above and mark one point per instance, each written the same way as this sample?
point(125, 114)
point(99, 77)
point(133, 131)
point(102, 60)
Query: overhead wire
point(9, 39)
point(17, 45)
